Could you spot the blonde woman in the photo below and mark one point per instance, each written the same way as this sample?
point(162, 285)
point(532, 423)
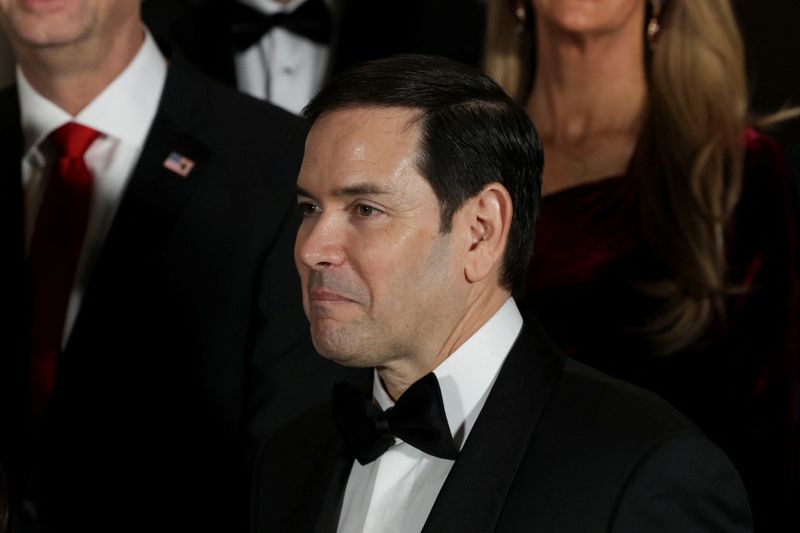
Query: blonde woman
point(664, 250)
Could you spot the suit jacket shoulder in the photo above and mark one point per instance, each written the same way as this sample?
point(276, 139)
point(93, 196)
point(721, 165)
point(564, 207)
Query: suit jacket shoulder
point(608, 456)
point(627, 454)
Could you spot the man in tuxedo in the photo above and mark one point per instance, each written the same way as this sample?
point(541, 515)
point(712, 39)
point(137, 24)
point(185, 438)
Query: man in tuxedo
point(419, 189)
point(282, 50)
point(275, 50)
point(149, 314)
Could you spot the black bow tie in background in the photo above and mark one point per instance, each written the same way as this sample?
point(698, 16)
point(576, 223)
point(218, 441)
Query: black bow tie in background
point(246, 25)
point(417, 418)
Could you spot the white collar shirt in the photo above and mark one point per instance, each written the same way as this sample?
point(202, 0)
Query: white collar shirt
point(395, 493)
point(283, 68)
point(123, 113)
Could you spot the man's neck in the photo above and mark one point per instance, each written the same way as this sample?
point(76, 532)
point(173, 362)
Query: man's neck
point(72, 76)
point(398, 375)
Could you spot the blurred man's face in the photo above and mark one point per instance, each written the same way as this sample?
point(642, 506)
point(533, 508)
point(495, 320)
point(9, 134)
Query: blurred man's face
point(55, 23)
point(380, 281)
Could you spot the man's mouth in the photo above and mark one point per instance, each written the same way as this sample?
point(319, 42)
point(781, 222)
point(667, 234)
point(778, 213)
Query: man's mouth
point(318, 295)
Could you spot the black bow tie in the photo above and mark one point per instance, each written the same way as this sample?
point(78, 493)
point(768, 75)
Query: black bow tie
point(417, 418)
point(246, 25)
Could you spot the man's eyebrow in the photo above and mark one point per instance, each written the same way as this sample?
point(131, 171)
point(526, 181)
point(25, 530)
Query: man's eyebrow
point(358, 189)
point(301, 192)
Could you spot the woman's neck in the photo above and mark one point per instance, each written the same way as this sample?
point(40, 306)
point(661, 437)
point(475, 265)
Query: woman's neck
point(587, 85)
point(588, 102)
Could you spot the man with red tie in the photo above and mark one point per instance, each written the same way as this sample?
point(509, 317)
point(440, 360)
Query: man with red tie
point(151, 330)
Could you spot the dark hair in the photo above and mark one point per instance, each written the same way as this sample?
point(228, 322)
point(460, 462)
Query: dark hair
point(472, 134)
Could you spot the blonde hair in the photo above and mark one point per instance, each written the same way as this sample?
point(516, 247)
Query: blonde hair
point(689, 158)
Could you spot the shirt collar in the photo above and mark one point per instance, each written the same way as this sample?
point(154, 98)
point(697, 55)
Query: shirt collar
point(124, 109)
point(270, 7)
point(467, 375)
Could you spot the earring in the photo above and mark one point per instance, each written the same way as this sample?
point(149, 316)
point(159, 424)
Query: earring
point(520, 15)
point(654, 25)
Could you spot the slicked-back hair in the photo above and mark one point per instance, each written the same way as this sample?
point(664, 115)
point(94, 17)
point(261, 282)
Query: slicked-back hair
point(471, 134)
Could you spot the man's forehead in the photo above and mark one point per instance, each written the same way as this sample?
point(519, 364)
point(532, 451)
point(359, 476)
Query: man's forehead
point(353, 146)
point(367, 123)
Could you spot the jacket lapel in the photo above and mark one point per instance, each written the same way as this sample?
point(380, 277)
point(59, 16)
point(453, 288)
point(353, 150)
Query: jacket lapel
point(329, 495)
point(325, 492)
point(155, 194)
point(473, 495)
point(303, 471)
point(301, 477)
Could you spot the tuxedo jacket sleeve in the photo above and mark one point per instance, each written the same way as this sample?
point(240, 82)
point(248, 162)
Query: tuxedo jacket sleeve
point(190, 345)
point(558, 447)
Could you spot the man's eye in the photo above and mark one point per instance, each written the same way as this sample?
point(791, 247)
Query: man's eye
point(364, 210)
point(307, 209)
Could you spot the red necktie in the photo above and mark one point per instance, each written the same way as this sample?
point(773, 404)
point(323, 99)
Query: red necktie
point(54, 253)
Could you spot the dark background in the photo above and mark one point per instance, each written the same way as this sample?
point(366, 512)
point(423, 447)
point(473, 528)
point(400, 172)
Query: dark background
point(771, 31)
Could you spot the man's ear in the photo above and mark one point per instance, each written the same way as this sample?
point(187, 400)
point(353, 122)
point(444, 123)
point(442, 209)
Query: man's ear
point(489, 219)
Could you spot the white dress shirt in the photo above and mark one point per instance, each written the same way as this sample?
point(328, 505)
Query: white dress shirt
point(283, 68)
point(395, 493)
point(122, 113)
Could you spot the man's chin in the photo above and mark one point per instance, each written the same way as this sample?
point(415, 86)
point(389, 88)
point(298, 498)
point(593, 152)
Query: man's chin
point(340, 354)
point(342, 358)
point(44, 36)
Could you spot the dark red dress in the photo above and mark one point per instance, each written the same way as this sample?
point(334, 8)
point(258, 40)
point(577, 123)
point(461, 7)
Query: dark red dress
point(738, 384)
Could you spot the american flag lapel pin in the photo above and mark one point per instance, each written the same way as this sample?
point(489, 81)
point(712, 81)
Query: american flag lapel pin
point(179, 164)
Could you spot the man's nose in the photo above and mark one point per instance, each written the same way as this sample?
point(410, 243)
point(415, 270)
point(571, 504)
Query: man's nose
point(319, 243)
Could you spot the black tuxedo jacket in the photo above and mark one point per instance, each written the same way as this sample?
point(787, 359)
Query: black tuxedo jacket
point(558, 447)
point(190, 344)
